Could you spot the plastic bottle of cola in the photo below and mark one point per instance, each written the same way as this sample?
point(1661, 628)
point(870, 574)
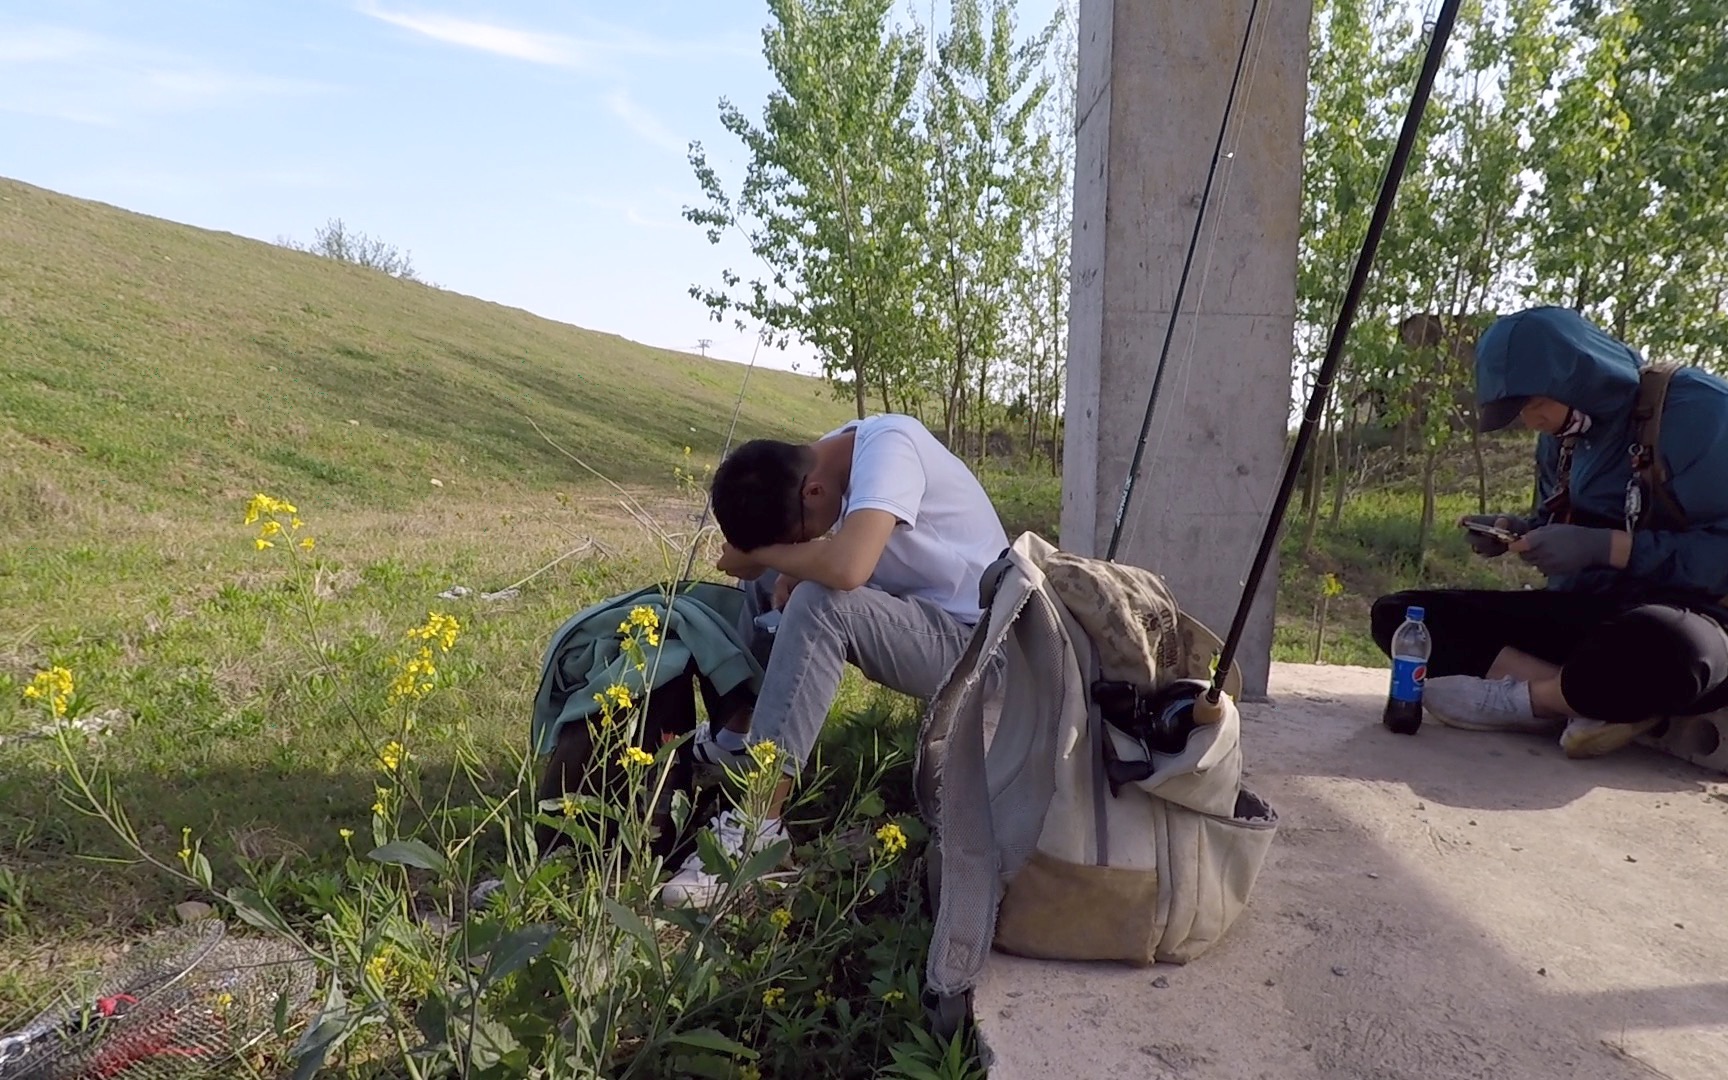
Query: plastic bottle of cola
point(1411, 646)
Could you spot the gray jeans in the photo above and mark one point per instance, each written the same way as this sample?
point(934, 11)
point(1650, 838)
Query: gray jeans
point(906, 644)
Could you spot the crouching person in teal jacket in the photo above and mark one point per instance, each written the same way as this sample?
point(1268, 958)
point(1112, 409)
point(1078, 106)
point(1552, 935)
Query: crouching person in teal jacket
point(864, 547)
point(1630, 628)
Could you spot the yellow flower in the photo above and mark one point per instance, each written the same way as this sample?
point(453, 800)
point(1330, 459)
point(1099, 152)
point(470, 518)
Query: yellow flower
point(773, 997)
point(383, 967)
point(781, 918)
point(54, 686)
point(437, 627)
point(765, 753)
point(262, 543)
point(306, 542)
point(262, 504)
point(381, 804)
point(391, 755)
point(749, 1072)
point(415, 679)
point(569, 806)
point(824, 999)
point(270, 528)
point(345, 834)
point(892, 838)
point(185, 843)
point(614, 697)
point(295, 523)
point(891, 996)
point(635, 755)
point(642, 618)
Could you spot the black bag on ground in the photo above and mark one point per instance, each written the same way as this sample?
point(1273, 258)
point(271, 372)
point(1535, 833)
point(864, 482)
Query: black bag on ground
point(571, 768)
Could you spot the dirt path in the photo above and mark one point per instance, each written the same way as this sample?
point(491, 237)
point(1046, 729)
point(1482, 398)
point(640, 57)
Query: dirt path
point(1453, 906)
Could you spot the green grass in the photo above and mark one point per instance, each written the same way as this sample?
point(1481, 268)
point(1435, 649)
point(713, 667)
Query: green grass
point(1373, 551)
point(163, 367)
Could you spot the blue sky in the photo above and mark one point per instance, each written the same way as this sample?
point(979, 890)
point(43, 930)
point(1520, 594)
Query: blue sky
point(530, 153)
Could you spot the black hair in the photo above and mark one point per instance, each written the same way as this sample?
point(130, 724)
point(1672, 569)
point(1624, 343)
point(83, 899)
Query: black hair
point(757, 493)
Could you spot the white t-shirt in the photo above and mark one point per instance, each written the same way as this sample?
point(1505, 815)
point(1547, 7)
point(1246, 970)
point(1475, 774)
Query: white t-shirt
point(948, 531)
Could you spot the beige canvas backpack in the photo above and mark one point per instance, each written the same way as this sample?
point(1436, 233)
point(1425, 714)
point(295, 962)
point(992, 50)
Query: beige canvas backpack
point(1032, 852)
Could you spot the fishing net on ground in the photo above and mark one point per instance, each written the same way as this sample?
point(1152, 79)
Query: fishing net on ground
point(185, 1002)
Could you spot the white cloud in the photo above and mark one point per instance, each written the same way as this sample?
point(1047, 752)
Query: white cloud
point(631, 212)
point(594, 51)
point(81, 78)
point(644, 123)
point(45, 44)
point(539, 48)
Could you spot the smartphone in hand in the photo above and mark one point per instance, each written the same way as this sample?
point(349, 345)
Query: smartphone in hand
point(1505, 536)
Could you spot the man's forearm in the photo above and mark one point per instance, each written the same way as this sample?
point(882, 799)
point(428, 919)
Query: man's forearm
point(822, 561)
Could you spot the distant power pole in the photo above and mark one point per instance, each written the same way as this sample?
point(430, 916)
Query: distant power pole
point(703, 343)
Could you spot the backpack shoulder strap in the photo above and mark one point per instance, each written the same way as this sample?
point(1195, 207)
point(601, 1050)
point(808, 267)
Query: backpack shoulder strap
point(984, 796)
point(1653, 380)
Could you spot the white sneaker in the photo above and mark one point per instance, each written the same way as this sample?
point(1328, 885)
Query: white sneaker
point(692, 886)
point(1593, 738)
point(1464, 701)
point(708, 754)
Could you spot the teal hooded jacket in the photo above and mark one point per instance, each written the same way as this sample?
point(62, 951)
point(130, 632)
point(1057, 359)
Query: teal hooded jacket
point(1554, 352)
point(586, 654)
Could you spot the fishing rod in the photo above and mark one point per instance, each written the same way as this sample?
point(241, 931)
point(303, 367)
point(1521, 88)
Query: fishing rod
point(1207, 704)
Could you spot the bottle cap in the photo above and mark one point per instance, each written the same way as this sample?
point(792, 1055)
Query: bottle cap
point(1415, 614)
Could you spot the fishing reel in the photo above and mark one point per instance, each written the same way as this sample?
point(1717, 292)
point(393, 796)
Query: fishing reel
point(1159, 721)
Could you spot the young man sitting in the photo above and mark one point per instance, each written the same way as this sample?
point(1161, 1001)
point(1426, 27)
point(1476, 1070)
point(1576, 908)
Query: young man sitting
point(870, 542)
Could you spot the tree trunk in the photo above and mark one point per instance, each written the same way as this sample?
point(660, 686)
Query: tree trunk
point(858, 385)
point(1341, 470)
point(1481, 470)
point(1430, 462)
point(1315, 483)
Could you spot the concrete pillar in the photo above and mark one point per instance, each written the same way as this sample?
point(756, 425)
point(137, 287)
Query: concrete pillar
point(1153, 79)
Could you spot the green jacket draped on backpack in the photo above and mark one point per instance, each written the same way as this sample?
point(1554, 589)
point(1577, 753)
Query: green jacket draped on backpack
point(586, 654)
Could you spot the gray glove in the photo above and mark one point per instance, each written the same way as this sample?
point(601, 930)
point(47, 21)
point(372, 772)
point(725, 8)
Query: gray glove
point(1487, 546)
point(1557, 550)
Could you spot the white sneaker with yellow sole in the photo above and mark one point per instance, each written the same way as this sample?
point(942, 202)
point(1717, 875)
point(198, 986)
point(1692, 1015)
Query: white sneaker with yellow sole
point(1593, 738)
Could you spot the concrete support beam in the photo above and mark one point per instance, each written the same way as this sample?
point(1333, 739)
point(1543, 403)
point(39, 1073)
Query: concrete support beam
point(1153, 79)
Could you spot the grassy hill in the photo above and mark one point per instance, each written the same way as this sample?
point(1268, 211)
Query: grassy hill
point(157, 365)
point(153, 376)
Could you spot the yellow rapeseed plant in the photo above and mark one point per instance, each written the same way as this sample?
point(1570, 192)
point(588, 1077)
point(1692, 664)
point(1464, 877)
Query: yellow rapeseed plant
point(53, 687)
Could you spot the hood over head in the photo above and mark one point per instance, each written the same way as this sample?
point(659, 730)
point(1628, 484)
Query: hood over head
point(1552, 352)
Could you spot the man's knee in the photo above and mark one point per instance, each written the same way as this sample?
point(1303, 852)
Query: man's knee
point(1650, 661)
point(812, 599)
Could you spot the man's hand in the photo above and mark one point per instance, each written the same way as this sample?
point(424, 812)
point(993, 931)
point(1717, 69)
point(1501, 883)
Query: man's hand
point(1557, 550)
point(1491, 547)
point(739, 565)
point(783, 586)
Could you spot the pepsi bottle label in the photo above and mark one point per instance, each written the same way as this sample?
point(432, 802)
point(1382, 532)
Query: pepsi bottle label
point(1408, 675)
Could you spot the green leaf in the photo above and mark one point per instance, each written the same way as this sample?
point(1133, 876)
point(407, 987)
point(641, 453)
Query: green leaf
point(629, 922)
point(489, 1043)
point(709, 1039)
point(410, 853)
point(257, 911)
point(762, 861)
point(323, 1035)
point(871, 805)
point(709, 1065)
point(516, 950)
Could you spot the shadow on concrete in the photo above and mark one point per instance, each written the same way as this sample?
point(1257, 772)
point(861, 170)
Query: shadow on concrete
point(1445, 906)
point(1471, 769)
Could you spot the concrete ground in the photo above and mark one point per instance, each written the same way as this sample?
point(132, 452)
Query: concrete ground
point(1449, 906)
